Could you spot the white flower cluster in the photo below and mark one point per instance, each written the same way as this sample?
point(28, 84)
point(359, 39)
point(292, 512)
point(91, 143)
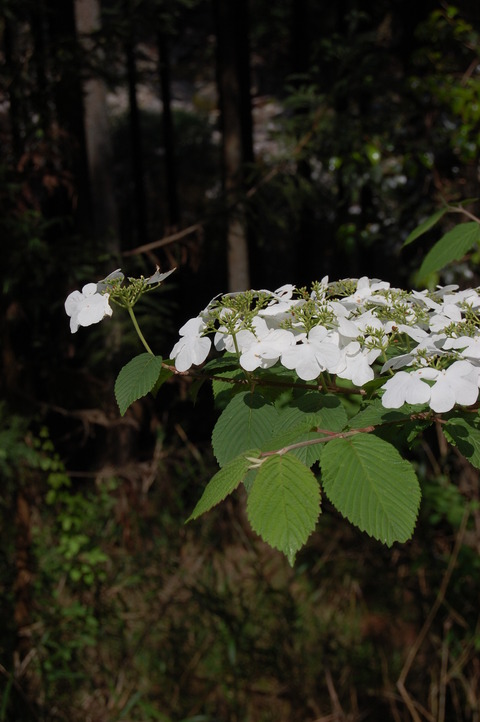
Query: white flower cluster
point(92, 304)
point(353, 329)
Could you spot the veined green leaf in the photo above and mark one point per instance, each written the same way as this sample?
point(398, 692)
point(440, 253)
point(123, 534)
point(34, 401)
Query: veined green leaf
point(298, 422)
point(227, 362)
point(462, 432)
point(312, 410)
point(368, 481)
point(163, 376)
point(425, 226)
point(224, 390)
point(136, 379)
point(307, 454)
point(224, 482)
point(246, 423)
point(451, 247)
point(284, 503)
point(374, 414)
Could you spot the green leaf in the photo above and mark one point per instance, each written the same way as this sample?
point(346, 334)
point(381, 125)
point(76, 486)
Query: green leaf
point(247, 422)
point(312, 410)
point(136, 379)
point(425, 226)
point(374, 414)
point(451, 247)
point(307, 454)
point(284, 503)
point(224, 482)
point(462, 433)
point(367, 480)
point(224, 390)
point(226, 362)
point(163, 376)
point(298, 423)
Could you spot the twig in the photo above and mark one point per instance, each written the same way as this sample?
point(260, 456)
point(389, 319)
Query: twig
point(428, 622)
point(166, 240)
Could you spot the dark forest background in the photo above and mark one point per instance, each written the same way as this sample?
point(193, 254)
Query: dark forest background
point(248, 145)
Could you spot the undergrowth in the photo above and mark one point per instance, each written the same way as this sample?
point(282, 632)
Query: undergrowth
point(135, 616)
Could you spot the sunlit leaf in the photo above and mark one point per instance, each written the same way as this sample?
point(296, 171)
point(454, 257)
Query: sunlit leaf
point(424, 227)
point(136, 379)
point(246, 423)
point(451, 247)
point(224, 482)
point(284, 503)
point(367, 480)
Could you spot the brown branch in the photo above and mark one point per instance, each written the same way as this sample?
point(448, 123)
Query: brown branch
point(166, 240)
point(179, 235)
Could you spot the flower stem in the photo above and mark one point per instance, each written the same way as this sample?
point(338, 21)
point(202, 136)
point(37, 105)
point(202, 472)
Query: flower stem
point(137, 329)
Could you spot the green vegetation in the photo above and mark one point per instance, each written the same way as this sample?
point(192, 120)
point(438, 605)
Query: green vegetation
point(367, 127)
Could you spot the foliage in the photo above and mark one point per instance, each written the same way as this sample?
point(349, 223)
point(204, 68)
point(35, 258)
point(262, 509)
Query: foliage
point(271, 435)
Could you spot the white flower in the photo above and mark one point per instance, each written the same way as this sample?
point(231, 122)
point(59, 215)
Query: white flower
point(458, 384)
point(315, 353)
point(449, 313)
point(86, 307)
point(192, 348)
point(281, 307)
point(470, 346)
point(265, 351)
point(366, 289)
point(406, 388)
point(357, 363)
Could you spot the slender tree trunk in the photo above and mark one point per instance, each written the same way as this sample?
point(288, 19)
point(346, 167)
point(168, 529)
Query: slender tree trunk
point(37, 24)
point(141, 235)
point(97, 132)
point(168, 129)
point(233, 79)
point(68, 96)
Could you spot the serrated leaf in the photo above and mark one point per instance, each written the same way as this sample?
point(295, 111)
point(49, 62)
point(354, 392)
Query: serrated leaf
point(368, 481)
point(461, 432)
point(374, 414)
point(136, 379)
point(451, 247)
point(224, 390)
point(424, 227)
point(284, 504)
point(307, 454)
point(310, 410)
point(163, 376)
point(227, 362)
point(224, 482)
point(297, 422)
point(246, 423)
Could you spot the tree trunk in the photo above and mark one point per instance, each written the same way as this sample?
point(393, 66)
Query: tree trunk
point(37, 24)
point(233, 79)
point(168, 130)
point(97, 132)
point(140, 229)
point(68, 96)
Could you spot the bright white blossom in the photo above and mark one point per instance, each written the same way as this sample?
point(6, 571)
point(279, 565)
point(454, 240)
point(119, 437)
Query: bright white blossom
point(193, 347)
point(87, 307)
point(407, 388)
point(458, 384)
point(357, 364)
point(264, 351)
point(314, 354)
point(366, 291)
point(428, 340)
